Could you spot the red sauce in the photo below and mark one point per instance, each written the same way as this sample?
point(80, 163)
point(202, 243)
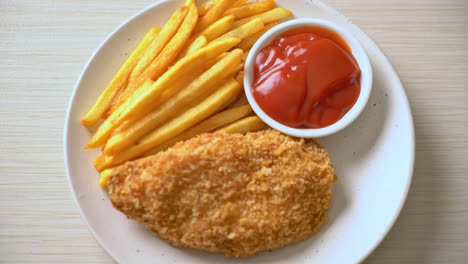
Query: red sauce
point(306, 78)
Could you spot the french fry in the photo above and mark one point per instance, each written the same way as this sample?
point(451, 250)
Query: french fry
point(267, 17)
point(120, 79)
point(244, 31)
point(198, 43)
point(104, 178)
point(167, 32)
point(248, 124)
point(182, 83)
point(139, 115)
point(238, 68)
point(218, 28)
point(146, 85)
point(242, 98)
point(204, 7)
point(188, 97)
point(207, 5)
point(245, 55)
point(247, 43)
point(221, 98)
point(102, 163)
point(189, 3)
point(170, 52)
point(215, 30)
point(153, 50)
point(251, 9)
point(238, 3)
point(165, 96)
point(219, 120)
point(126, 123)
point(240, 78)
point(139, 101)
point(167, 55)
point(215, 13)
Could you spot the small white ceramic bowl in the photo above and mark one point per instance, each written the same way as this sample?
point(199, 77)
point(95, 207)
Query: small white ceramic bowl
point(358, 53)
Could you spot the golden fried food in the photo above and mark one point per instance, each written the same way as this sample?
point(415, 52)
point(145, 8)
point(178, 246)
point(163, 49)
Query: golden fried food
point(151, 53)
point(215, 102)
point(138, 102)
point(229, 193)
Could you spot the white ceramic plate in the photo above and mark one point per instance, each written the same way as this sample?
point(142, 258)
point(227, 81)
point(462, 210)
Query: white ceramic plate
point(373, 159)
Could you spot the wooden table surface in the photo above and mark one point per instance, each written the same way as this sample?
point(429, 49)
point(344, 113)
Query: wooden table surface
point(45, 44)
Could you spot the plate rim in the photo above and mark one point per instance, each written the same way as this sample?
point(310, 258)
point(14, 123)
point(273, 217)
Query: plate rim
point(67, 122)
point(319, 3)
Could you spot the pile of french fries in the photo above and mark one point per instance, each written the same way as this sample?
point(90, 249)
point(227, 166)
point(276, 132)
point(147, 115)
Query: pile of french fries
point(182, 80)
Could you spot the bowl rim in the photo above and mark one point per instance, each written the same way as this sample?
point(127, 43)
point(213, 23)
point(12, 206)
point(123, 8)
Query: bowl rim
point(357, 51)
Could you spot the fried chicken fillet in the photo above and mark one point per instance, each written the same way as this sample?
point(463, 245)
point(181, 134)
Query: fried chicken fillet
point(229, 193)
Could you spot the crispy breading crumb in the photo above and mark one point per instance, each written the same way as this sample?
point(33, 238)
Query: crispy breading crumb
point(229, 193)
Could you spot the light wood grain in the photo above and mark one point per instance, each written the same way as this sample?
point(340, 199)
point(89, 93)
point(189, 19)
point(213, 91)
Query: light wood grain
point(44, 45)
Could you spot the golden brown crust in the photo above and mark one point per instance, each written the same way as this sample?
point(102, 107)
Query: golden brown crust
point(229, 193)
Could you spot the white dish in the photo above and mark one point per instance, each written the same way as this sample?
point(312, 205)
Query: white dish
point(356, 49)
point(373, 158)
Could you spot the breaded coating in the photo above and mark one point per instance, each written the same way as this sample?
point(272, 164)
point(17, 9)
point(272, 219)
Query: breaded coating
point(237, 194)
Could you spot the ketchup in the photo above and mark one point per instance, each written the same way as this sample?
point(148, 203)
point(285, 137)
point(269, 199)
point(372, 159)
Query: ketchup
point(306, 78)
